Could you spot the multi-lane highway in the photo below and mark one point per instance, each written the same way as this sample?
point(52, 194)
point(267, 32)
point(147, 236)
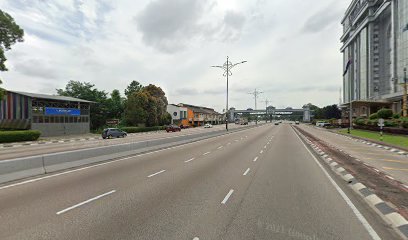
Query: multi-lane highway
point(60, 146)
point(259, 183)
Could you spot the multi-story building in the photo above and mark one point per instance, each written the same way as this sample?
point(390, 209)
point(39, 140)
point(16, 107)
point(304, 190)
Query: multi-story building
point(198, 116)
point(178, 114)
point(375, 44)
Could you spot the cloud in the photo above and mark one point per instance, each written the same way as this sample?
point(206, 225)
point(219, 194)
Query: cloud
point(172, 25)
point(36, 67)
point(322, 19)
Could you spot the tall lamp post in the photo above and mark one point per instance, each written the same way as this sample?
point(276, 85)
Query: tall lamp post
point(404, 96)
point(227, 66)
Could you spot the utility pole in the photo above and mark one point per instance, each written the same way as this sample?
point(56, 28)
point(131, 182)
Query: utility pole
point(266, 109)
point(255, 93)
point(227, 66)
point(404, 97)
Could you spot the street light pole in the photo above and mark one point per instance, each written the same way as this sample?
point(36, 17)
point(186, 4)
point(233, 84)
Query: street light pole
point(404, 97)
point(227, 66)
point(255, 93)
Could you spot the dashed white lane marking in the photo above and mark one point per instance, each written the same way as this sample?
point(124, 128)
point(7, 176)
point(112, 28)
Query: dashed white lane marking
point(154, 174)
point(356, 212)
point(220, 147)
point(255, 159)
point(246, 172)
point(265, 146)
point(236, 140)
point(261, 152)
point(189, 160)
point(227, 197)
point(206, 153)
point(229, 143)
point(85, 202)
point(196, 238)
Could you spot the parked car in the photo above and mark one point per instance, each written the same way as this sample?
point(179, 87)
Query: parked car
point(208, 125)
point(113, 133)
point(173, 128)
point(184, 126)
point(322, 124)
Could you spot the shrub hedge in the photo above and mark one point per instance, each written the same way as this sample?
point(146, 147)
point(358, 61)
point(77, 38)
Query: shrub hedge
point(385, 113)
point(373, 116)
point(142, 129)
point(19, 136)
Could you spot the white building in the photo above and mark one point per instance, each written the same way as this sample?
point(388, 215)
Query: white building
point(177, 113)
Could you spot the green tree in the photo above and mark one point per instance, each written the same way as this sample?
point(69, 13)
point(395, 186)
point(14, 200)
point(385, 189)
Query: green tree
point(87, 91)
point(10, 33)
point(115, 105)
point(135, 111)
point(134, 86)
point(331, 111)
point(147, 106)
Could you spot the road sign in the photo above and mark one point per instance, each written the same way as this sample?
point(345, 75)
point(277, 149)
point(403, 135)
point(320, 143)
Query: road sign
point(112, 122)
point(381, 122)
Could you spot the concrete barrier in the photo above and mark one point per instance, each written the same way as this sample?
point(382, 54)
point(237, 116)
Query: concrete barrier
point(31, 166)
point(21, 168)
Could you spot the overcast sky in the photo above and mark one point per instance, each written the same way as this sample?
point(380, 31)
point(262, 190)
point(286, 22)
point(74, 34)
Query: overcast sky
point(292, 48)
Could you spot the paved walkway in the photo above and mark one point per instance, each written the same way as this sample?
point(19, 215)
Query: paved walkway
point(392, 163)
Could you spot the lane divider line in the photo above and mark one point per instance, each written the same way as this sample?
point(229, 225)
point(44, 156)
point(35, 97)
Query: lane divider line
point(261, 152)
point(246, 172)
point(206, 153)
point(85, 202)
point(255, 159)
point(356, 212)
point(189, 160)
point(154, 174)
point(220, 147)
point(227, 197)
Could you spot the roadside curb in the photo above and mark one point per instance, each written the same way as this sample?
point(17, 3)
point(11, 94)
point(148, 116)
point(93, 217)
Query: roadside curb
point(387, 212)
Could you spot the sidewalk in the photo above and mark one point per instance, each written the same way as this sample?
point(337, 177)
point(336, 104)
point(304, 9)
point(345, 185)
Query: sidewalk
point(391, 161)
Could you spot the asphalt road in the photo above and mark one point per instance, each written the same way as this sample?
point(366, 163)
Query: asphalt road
point(50, 147)
point(261, 183)
point(393, 164)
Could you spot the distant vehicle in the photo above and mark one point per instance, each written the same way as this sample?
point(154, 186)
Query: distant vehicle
point(173, 128)
point(208, 125)
point(297, 122)
point(322, 124)
point(276, 123)
point(113, 133)
point(184, 126)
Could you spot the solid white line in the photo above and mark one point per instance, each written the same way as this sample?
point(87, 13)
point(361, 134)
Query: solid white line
point(206, 153)
point(227, 197)
point(154, 174)
point(85, 202)
point(189, 160)
point(246, 172)
point(360, 217)
point(255, 159)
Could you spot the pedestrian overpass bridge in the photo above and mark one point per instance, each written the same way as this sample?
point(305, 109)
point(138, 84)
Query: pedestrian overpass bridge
point(305, 113)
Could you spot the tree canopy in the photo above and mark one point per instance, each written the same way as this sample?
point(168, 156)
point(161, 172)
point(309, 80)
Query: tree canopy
point(134, 86)
point(10, 33)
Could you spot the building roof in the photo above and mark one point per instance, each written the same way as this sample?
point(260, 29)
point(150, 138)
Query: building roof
point(199, 109)
point(51, 97)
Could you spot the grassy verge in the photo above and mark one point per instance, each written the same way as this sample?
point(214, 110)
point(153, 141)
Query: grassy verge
point(396, 140)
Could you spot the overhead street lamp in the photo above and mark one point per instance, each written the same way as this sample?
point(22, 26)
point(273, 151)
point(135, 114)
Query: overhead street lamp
point(227, 66)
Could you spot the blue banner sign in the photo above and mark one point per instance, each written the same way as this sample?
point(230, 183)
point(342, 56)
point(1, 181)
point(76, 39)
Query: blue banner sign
point(62, 111)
